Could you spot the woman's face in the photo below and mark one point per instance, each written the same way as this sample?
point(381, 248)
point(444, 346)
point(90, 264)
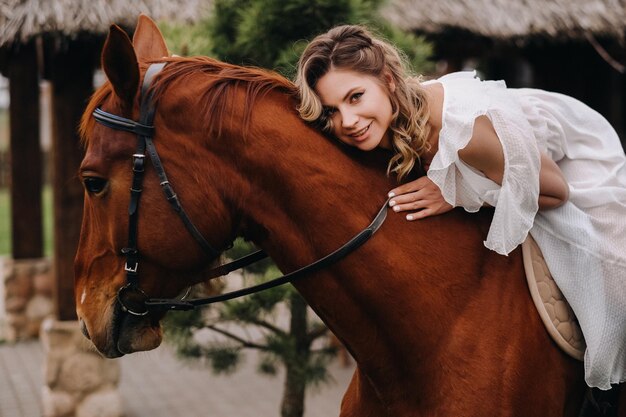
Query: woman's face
point(359, 107)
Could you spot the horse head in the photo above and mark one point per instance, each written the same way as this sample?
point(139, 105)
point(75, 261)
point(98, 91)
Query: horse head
point(166, 250)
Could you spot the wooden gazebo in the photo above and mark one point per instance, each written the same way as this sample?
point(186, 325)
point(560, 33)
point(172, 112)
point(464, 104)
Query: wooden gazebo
point(59, 40)
point(576, 47)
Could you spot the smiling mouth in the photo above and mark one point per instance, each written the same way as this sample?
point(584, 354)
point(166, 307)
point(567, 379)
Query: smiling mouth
point(361, 132)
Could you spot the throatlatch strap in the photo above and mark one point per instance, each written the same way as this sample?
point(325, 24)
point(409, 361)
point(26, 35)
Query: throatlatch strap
point(154, 304)
point(172, 198)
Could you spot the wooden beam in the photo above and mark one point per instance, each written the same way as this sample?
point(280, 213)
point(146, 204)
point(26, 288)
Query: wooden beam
point(26, 160)
point(72, 84)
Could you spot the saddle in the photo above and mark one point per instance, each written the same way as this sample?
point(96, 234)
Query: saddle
point(555, 312)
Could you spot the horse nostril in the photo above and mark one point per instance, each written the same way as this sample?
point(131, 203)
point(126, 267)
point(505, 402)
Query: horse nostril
point(83, 328)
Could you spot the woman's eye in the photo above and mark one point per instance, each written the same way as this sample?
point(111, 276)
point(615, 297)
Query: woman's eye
point(94, 185)
point(355, 97)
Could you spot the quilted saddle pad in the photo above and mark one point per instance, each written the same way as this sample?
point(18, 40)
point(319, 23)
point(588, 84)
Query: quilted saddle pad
point(555, 312)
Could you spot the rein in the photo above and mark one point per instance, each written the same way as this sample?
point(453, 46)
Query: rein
point(135, 301)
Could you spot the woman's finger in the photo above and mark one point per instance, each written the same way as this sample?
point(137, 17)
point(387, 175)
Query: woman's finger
point(412, 205)
point(419, 214)
point(405, 198)
point(409, 187)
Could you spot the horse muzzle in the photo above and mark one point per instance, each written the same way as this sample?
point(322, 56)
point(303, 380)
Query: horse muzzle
point(119, 333)
point(83, 328)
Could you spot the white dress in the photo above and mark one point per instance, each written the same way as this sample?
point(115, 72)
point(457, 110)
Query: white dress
point(583, 241)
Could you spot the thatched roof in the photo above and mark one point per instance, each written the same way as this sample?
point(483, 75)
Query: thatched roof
point(23, 19)
point(512, 19)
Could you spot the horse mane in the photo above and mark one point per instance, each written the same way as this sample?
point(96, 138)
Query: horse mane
point(87, 121)
point(217, 92)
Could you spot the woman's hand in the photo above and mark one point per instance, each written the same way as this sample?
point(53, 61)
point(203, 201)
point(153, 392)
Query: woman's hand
point(421, 196)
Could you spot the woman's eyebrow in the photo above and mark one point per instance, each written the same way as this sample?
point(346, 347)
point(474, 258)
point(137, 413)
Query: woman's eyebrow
point(349, 93)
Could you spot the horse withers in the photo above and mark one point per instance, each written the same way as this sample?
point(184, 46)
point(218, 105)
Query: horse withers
point(438, 325)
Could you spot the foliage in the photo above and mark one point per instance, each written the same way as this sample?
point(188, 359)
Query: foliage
point(186, 40)
point(230, 325)
point(262, 32)
point(4, 130)
point(5, 221)
point(273, 33)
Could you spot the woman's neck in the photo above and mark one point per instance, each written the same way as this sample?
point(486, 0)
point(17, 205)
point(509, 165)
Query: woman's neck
point(434, 97)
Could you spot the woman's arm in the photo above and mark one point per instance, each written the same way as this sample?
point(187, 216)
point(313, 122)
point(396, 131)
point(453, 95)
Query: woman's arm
point(483, 152)
point(553, 188)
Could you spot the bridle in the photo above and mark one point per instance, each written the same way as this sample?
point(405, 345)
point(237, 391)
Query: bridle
point(131, 297)
point(135, 301)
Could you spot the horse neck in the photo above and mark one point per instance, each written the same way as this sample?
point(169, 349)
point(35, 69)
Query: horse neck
point(300, 196)
point(306, 194)
point(305, 197)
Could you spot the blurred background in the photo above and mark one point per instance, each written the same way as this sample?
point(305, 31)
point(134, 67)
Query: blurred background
point(49, 66)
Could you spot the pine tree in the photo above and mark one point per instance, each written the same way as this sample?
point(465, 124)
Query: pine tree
point(250, 323)
point(270, 34)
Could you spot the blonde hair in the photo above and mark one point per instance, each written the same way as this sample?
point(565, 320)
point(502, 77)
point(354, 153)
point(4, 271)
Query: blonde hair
point(353, 47)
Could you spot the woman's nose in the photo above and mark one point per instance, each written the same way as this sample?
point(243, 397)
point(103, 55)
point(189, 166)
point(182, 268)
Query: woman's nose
point(349, 119)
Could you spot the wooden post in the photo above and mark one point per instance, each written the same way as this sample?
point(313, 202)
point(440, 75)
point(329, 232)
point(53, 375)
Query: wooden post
point(26, 160)
point(71, 75)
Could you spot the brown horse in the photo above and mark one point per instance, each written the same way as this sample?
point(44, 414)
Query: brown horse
point(438, 325)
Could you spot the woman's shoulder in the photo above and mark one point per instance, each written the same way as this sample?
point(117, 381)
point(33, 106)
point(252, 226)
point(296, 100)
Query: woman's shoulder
point(467, 83)
point(463, 95)
point(451, 98)
point(455, 76)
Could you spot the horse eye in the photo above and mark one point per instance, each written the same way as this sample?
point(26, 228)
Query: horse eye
point(94, 185)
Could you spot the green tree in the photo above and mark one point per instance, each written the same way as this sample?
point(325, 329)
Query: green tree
point(290, 345)
point(271, 34)
point(187, 40)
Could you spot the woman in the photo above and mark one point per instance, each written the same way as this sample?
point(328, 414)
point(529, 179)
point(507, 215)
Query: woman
point(550, 166)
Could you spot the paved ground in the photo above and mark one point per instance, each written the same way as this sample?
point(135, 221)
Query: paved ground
point(156, 384)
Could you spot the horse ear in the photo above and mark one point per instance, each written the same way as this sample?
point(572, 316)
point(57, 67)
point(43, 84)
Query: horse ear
point(148, 40)
point(119, 63)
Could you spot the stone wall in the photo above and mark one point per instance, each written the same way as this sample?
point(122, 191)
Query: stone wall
point(78, 382)
point(27, 296)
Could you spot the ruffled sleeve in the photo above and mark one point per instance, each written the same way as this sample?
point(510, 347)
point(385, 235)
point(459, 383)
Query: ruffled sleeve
point(516, 201)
